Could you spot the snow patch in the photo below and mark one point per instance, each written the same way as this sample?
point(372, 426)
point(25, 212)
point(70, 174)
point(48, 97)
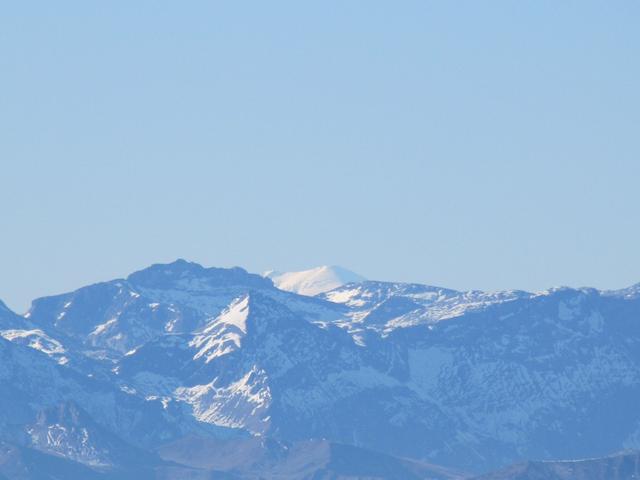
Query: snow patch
point(224, 334)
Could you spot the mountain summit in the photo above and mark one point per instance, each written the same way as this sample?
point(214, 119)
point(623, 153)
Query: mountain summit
point(313, 281)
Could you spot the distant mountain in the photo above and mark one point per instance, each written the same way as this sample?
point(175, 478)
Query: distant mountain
point(624, 466)
point(111, 318)
point(314, 281)
point(386, 306)
point(421, 375)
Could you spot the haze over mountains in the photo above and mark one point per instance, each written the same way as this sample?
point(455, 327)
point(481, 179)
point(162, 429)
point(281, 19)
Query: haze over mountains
point(182, 371)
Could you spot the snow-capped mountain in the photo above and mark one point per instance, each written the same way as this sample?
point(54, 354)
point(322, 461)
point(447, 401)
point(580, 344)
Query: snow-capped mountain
point(385, 306)
point(112, 318)
point(313, 281)
point(469, 380)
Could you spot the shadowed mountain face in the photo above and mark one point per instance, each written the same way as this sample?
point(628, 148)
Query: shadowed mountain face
point(470, 380)
point(254, 458)
point(8, 319)
point(20, 463)
point(617, 467)
point(25, 463)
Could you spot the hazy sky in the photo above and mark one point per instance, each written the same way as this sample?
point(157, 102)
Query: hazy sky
point(467, 144)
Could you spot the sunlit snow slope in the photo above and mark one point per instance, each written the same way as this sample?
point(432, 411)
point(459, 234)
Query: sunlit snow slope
point(314, 281)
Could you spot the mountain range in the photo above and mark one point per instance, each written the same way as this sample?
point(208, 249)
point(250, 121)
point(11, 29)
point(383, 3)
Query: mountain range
point(182, 371)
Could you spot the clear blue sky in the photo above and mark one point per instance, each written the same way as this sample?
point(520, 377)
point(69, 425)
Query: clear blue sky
point(468, 144)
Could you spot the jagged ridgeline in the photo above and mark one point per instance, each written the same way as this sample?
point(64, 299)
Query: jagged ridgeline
point(181, 371)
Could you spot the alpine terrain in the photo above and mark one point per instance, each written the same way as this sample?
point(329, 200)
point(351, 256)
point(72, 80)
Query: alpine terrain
point(181, 371)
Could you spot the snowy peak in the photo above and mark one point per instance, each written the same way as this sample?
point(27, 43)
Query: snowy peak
point(314, 281)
